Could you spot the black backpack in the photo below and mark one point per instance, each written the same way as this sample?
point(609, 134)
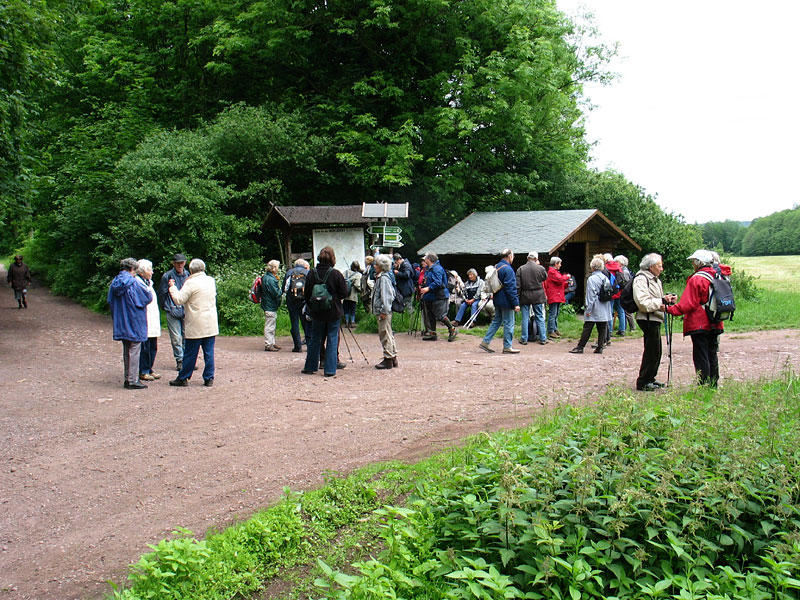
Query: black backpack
point(321, 299)
point(606, 292)
point(720, 305)
point(295, 285)
point(626, 299)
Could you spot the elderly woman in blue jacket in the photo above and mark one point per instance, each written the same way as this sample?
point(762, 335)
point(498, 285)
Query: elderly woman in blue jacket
point(597, 311)
point(128, 300)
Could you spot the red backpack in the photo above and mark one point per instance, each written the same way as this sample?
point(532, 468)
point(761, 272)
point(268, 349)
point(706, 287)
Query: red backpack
point(255, 291)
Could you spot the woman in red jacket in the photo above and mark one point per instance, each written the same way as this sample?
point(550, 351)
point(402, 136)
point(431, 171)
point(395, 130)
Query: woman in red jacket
point(554, 287)
point(704, 333)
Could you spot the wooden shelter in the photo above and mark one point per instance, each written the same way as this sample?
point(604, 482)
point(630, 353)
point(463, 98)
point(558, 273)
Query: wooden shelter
point(573, 235)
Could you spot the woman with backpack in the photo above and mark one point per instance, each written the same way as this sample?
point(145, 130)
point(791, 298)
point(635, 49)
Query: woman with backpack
point(598, 311)
point(271, 293)
point(353, 277)
point(324, 291)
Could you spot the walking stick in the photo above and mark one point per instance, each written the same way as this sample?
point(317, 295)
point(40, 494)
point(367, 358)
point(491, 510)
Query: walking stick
point(358, 346)
point(668, 324)
point(346, 345)
point(474, 316)
point(415, 320)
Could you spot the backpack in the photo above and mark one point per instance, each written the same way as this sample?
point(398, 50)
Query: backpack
point(321, 299)
point(295, 285)
point(255, 291)
point(493, 281)
point(451, 281)
point(626, 299)
point(606, 292)
point(623, 277)
point(720, 305)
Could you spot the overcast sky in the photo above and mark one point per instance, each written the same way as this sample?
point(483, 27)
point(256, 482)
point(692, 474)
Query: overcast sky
point(705, 112)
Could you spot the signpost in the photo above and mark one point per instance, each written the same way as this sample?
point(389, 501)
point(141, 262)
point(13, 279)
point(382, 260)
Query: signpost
point(388, 236)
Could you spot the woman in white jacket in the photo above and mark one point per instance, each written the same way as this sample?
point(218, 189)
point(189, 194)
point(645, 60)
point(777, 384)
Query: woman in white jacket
point(147, 357)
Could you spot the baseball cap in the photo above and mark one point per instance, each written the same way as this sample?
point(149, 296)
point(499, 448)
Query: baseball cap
point(701, 255)
point(179, 258)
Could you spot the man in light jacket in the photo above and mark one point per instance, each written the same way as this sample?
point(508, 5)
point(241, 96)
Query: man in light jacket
point(199, 297)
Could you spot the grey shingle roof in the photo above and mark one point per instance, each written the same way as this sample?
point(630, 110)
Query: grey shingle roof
point(522, 231)
point(310, 215)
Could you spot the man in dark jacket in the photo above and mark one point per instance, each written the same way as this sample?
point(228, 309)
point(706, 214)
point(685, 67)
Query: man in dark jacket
point(324, 320)
point(19, 276)
point(532, 297)
point(128, 300)
point(506, 303)
point(175, 313)
point(294, 286)
point(404, 276)
point(434, 298)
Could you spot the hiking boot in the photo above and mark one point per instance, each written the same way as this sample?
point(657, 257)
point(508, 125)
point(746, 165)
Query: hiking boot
point(340, 365)
point(430, 338)
point(524, 342)
point(179, 382)
point(146, 377)
point(394, 362)
point(453, 334)
point(208, 382)
point(386, 363)
point(271, 348)
point(297, 349)
point(598, 350)
point(137, 385)
point(510, 351)
point(576, 350)
point(554, 335)
point(542, 342)
point(649, 387)
point(484, 346)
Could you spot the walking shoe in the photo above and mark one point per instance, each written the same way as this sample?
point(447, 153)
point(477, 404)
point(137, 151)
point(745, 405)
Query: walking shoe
point(179, 382)
point(208, 382)
point(524, 342)
point(430, 338)
point(620, 334)
point(648, 387)
point(155, 375)
point(340, 365)
point(386, 363)
point(394, 362)
point(137, 385)
point(271, 348)
point(146, 377)
point(576, 350)
point(554, 335)
point(542, 342)
point(453, 334)
point(307, 372)
point(598, 350)
point(297, 349)
point(484, 346)
point(510, 351)
point(276, 346)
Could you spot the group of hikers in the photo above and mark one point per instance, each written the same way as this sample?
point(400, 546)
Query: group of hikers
point(322, 301)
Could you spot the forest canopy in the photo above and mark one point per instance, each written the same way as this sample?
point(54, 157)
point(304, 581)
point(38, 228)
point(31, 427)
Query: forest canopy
point(173, 125)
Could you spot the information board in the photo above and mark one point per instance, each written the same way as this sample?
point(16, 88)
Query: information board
point(347, 243)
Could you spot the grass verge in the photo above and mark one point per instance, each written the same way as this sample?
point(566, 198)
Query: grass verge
point(693, 493)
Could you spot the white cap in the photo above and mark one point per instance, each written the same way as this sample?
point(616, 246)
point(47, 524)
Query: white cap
point(704, 256)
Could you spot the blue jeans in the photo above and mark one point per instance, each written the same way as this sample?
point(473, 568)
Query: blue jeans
point(505, 317)
point(463, 309)
point(552, 317)
point(538, 316)
point(296, 319)
point(568, 297)
point(621, 318)
point(176, 330)
point(330, 330)
point(190, 357)
point(147, 357)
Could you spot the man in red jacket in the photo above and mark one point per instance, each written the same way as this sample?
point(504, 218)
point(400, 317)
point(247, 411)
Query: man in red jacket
point(704, 333)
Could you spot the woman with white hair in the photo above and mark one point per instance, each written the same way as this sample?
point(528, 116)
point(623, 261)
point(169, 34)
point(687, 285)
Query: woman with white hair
point(597, 311)
point(696, 324)
point(382, 296)
point(270, 302)
point(470, 295)
point(147, 356)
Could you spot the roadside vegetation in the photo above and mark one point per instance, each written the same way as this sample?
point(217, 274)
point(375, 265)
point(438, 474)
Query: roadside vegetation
point(693, 493)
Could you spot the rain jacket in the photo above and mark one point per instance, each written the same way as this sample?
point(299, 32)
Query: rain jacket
point(128, 299)
point(695, 294)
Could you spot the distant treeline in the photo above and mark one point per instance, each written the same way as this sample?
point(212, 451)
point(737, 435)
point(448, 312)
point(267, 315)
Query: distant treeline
point(778, 233)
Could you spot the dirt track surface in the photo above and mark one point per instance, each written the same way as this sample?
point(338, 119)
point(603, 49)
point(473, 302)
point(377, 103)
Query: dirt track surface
point(90, 473)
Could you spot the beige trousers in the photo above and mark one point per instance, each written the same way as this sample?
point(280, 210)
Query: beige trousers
point(386, 336)
point(270, 322)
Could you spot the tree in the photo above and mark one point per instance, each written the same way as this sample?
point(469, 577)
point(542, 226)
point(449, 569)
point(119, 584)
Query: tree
point(726, 234)
point(778, 233)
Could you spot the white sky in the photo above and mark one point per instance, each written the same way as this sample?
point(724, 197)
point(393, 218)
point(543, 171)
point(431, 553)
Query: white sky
point(705, 112)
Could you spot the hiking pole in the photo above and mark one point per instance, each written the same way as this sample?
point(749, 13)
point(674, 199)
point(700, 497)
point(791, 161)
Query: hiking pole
point(415, 321)
point(346, 345)
point(668, 323)
point(358, 345)
point(473, 317)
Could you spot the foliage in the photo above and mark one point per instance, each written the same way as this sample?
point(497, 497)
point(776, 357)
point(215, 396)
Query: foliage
point(778, 233)
point(724, 235)
point(687, 495)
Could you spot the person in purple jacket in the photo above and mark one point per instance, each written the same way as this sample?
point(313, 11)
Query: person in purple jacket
point(506, 304)
point(128, 300)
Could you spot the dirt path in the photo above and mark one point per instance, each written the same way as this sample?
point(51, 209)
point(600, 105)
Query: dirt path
point(91, 473)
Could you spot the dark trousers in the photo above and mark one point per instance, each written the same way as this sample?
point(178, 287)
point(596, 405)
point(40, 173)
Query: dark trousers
point(651, 357)
point(602, 328)
point(190, 357)
point(147, 357)
point(297, 320)
point(435, 310)
point(705, 346)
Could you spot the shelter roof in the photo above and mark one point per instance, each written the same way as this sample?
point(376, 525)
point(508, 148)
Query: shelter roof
point(291, 216)
point(544, 231)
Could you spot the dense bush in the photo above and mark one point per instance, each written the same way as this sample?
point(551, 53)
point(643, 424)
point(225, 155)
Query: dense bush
point(693, 495)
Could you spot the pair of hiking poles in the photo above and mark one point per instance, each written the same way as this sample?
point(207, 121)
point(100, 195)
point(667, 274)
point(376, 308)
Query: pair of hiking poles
point(347, 345)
